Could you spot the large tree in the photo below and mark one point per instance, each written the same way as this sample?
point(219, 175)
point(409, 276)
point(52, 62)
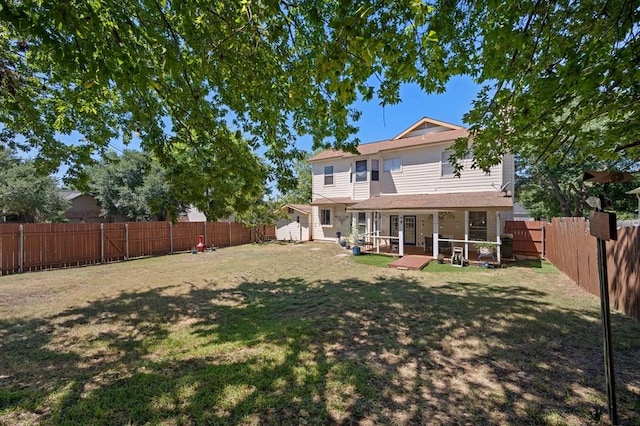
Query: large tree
point(219, 180)
point(26, 195)
point(182, 72)
point(547, 189)
point(557, 75)
point(135, 186)
point(301, 193)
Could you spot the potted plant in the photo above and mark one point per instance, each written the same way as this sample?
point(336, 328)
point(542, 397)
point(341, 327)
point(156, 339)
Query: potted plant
point(484, 248)
point(353, 237)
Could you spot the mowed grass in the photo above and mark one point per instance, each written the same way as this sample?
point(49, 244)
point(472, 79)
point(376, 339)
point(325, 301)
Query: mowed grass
point(302, 334)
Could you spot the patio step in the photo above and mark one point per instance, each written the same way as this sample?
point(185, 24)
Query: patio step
point(411, 262)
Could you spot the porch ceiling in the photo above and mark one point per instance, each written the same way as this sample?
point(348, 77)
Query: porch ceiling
point(450, 201)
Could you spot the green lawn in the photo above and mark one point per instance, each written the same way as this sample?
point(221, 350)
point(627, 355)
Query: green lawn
point(301, 334)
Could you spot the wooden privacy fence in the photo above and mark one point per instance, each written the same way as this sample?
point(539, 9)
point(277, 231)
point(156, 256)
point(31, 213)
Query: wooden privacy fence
point(572, 249)
point(528, 237)
point(36, 246)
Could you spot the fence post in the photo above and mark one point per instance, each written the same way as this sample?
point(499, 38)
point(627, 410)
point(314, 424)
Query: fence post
point(21, 249)
point(126, 241)
point(229, 233)
point(102, 243)
point(170, 237)
point(544, 238)
point(205, 233)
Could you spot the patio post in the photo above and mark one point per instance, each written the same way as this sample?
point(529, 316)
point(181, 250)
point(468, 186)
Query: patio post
point(498, 236)
point(401, 235)
point(436, 226)
point(466, 234)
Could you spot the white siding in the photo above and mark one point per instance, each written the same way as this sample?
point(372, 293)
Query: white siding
point(508, 172)
point(341, 186)
point(376, 186)
point(340, 222)
point(290, 230)
point(361, 190)
point(422, 174)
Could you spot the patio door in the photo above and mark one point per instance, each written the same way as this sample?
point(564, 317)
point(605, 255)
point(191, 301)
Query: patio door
point(409, 229)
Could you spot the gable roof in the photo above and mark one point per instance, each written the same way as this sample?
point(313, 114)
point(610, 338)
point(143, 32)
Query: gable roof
point(428, 125)
point(69, 194)
point(424, 132)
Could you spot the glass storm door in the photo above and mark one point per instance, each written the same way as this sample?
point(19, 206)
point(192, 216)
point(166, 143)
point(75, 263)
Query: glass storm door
point(410, 230)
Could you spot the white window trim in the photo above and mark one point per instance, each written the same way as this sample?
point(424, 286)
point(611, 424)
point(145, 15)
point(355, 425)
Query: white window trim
point(330, 224)
point(324, 176)
point(444, 162)
point(376, 170)
point(366, 172)
point(392, 170)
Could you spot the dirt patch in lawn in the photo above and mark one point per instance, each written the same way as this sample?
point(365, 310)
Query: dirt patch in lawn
point(283, 334)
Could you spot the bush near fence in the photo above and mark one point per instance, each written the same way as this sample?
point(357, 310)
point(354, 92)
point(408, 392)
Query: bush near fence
point(35, 246)
point(572, 249)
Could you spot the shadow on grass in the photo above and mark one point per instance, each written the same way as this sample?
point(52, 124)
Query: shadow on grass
point(323, 352)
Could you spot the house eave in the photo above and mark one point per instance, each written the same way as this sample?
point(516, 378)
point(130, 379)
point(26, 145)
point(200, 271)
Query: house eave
point(447, 201)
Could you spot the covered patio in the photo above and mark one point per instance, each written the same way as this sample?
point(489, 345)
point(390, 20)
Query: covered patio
point(433, 224)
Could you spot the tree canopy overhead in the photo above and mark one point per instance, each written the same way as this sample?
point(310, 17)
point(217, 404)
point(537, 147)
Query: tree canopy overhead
point(276, 69)
point(558, 76)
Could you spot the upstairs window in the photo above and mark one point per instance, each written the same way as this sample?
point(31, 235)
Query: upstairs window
point(328, 175)
point(393, 165)
point(447, 169)
point(361, 171)
point(375, 170)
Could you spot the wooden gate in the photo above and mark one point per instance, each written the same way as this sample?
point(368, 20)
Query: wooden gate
point(528, 237)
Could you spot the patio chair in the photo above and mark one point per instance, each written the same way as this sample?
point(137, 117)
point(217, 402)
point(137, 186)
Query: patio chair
point(444, 246)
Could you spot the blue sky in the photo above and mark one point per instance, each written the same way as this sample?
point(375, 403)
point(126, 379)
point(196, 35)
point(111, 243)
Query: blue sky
point(378, 123)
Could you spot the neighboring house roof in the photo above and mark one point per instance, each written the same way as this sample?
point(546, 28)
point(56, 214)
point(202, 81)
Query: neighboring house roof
point(520, 211)
point(461, 200)
point(333, 200)
point(442, 132)
point(192, 214)
point(302, 208)
point(69, 194)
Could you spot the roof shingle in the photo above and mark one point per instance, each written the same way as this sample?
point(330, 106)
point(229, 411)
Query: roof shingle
point(452, 201)
point(386, 145)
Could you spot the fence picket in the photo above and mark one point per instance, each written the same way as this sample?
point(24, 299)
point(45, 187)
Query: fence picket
point(35, 246)
point(572, 249)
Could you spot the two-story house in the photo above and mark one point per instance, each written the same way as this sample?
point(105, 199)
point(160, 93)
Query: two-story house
point(403, 193)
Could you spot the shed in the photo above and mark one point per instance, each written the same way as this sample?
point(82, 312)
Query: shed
point(295, 226)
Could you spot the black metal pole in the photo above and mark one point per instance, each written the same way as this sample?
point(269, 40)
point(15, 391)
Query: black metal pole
point(606, 328)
